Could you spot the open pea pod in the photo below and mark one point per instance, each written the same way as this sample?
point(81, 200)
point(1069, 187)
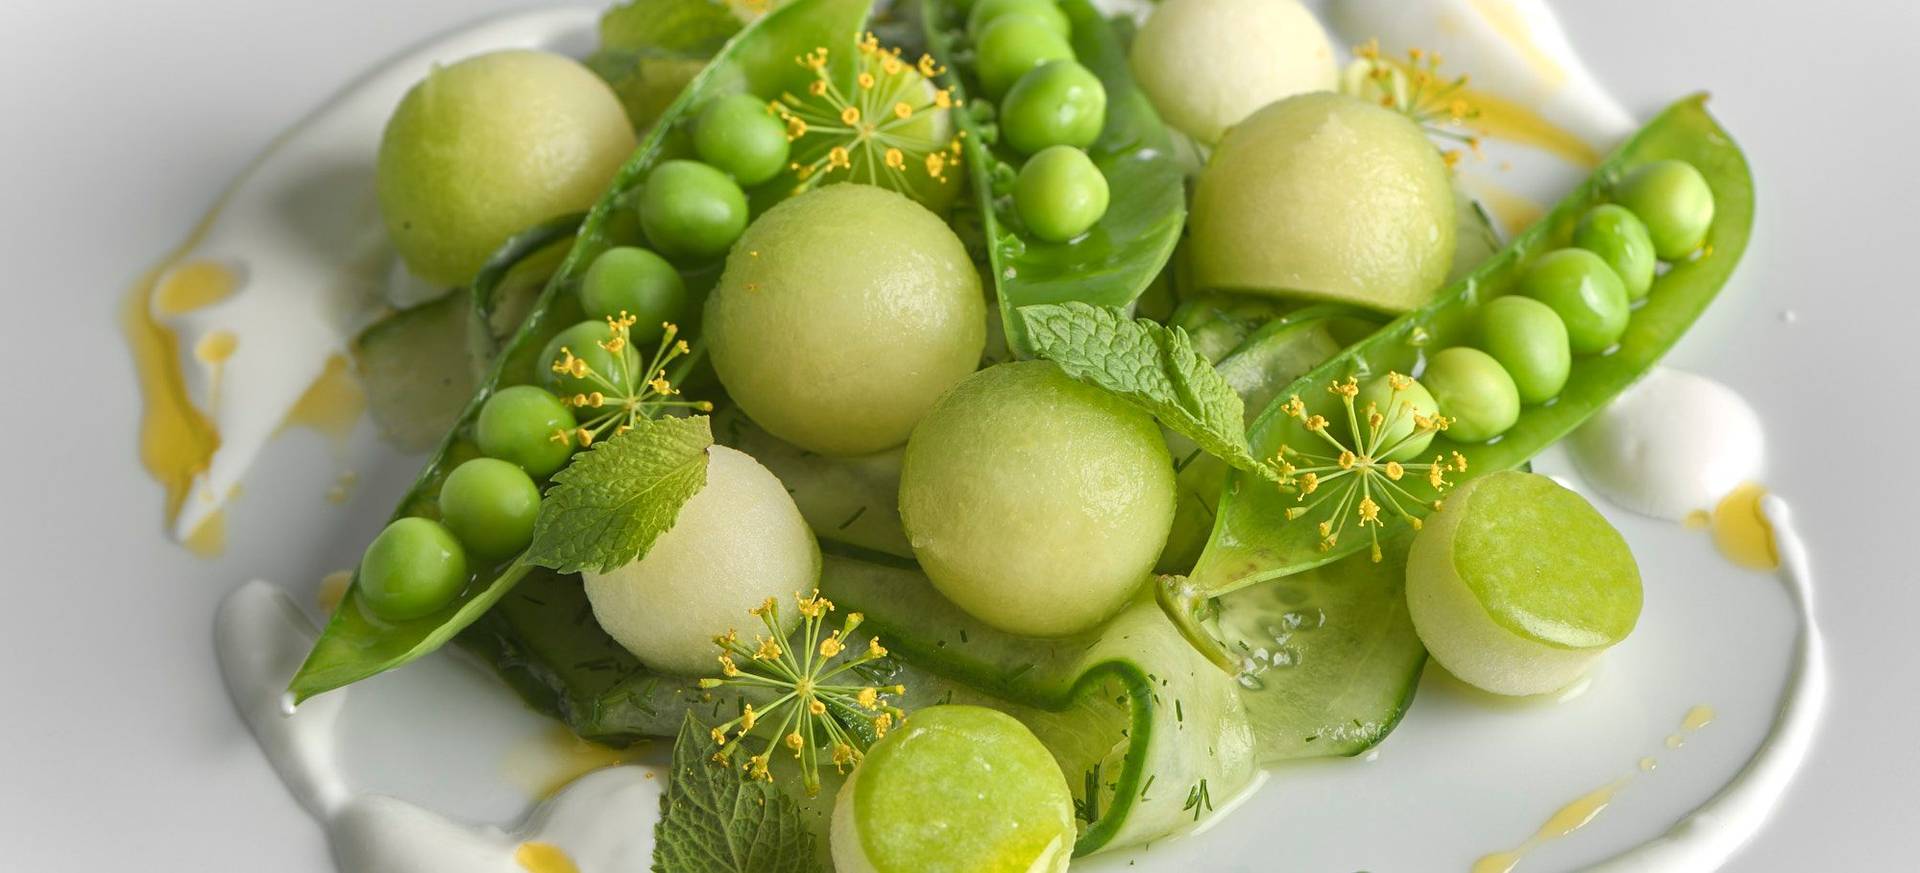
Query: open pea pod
point(1252, 538)
point(760, 59)
point(1121, 254)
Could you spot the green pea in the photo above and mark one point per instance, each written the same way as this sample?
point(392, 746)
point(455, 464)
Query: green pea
point(1012, 45)
point(1474, 392)
point(985, 12)
point(1674, 201)
point(691, 211)
point(518, 425)
point(1060, 194)
point(1057, 103)
point(1528, 339)
point(490, 505)
point(739, 135)
point(412, 569)
point(584, 341)
point(1400, 437)
point(1619, 238)
point(636, 282)
point(1586, 295)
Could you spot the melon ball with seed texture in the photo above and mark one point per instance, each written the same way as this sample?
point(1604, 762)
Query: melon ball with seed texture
point(1328, 197)
point(1208, 64)
point(1517, 584)
point(843, 314)
point(487, 147)
point(956, 789)
point(1035, 502)
point(735, 543)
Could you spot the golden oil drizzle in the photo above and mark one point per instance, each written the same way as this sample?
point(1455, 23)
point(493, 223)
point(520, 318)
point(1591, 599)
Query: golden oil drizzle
point(548, 762)
point(333, 404)
point(177, 441)
point(209, 537)
point(193, 285)
point(536, 857)
point(1503, 119)
point(1564, 822)
point(1741, 530)
point(1697, 718)
point(333, 589)
point(1507, 22)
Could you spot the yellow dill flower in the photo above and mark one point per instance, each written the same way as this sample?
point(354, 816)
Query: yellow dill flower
point(814, 705)
point(1347, 481)
point(1415, 88)
point(887, 125)
point(629, 391)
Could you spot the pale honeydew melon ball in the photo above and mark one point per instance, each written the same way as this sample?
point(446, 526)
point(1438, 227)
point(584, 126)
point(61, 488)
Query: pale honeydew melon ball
point(1518, 584)
point(487, 147)
point(956, 789)
point(1208, 64)
point(737, 542)
point(1036, 503)
point(843, 314)
point(1329, 197)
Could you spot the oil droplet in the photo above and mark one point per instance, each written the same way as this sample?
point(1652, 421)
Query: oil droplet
point(1675, 741)
point(1698, 519)
point(342, 487)
point(547, 762)
point(193, 285)
point(1648, 765)
point(332, 405)
point(210, 538)
point(1564, 822)
point(1741, 529)
point(543, 858)
point(1697, 718)
point(215, 348)
point(333, 589)
point(177, 441)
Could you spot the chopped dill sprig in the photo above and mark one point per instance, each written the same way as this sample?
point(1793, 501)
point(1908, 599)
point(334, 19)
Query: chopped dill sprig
point(1356, 480)
point(629, 391)
point(812, 709)
point(1416, 88)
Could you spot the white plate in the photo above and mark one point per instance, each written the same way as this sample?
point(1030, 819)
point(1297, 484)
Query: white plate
point(120, 749)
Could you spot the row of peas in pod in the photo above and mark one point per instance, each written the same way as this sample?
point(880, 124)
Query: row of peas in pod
point(1051, 108)
point(1573, 301)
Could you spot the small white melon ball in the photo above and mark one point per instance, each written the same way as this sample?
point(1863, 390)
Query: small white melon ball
point(737, 542)
point(1207, 64)
point(484, 148)
point(1519, 584)
point(1036, 503)
point(1325, 196)
point(843, 314)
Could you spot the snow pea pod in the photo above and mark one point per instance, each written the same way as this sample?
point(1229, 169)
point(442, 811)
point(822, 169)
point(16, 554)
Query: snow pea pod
point(1252, 539)
point(1116, 260)
point(760, 59)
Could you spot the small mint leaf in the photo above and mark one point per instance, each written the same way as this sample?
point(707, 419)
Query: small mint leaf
point(1150, 365)
point(715, 820)
point(608, 506)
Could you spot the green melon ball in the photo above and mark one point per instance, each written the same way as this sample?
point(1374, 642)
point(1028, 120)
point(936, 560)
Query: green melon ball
point(956, 789)
point(1208, 64)
point(737, 542)
point(489, 146)
point(1036, 503)
point(1518, 584)
point(843, 314)
point(1329, 197)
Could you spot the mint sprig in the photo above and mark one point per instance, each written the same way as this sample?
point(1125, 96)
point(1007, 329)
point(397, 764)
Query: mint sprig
point(713, 819)
point(608, 506)
point(1151, 366)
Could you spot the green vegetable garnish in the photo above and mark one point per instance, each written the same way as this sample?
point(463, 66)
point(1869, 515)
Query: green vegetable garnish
point(759, 829)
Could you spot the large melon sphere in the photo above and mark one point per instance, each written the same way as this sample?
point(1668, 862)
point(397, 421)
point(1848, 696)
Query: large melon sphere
point(1325, 196)
point(843, 314)
point(1207, 64)
point(1036, 503)
point(737, 542)
point(489, 146)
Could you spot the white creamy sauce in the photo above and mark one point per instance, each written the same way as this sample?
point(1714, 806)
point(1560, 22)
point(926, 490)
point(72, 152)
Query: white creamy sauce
point(602, 822)
point(1672, 444)
point(301, 235)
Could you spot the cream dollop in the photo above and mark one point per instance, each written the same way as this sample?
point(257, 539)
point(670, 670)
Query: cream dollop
point(1672, 444)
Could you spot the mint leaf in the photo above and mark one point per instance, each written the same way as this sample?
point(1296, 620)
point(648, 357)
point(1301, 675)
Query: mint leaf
point(607, 506)
point(1152, 366)
point(715, 820)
